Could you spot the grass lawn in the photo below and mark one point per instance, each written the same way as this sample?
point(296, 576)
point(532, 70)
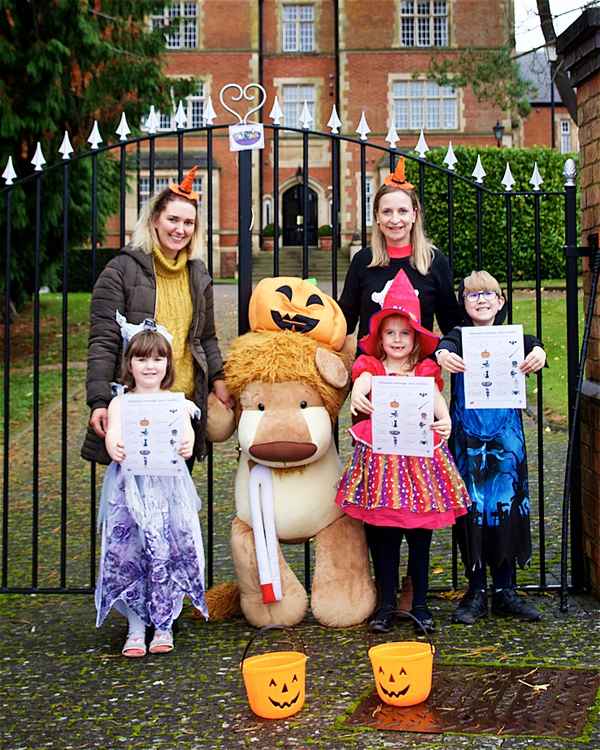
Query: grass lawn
point(554, 336)
point(51, 338)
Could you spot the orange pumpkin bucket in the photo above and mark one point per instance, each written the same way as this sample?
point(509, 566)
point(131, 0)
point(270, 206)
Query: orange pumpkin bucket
point(402, 670)
point(275, 681)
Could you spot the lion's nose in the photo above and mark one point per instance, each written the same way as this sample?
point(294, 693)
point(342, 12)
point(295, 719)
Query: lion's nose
point(283, 450)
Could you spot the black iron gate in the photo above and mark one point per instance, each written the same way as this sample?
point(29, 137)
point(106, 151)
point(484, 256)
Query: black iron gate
point(37, 509)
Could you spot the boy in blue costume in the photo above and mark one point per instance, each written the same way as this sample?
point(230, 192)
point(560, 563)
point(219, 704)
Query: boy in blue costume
point(489, 449)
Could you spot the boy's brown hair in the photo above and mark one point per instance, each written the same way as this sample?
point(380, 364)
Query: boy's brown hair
point(147, 344)
point(478, 281)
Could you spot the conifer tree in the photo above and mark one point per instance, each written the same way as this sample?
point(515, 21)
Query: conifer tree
point(66, 63)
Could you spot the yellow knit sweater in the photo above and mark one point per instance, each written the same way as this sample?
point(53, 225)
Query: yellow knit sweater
point(174, 310)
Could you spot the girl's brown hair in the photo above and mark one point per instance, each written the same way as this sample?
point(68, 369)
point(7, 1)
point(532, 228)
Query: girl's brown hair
point(413, 358)
point(422, 248)
point(147, 344)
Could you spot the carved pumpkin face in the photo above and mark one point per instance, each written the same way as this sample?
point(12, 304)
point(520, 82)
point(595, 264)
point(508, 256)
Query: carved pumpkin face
point(287, 303)
point(275, 683)
point(402, 671)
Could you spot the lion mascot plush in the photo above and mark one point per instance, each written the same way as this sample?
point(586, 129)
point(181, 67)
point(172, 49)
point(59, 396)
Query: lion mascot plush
point(289, 377)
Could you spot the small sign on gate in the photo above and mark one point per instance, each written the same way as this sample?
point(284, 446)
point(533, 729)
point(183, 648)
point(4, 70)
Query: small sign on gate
point(246, 136)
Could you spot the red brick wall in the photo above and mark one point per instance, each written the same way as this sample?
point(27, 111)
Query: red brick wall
point(588, 108)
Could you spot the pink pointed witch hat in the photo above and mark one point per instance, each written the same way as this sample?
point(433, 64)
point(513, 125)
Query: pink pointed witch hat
point(398, 297)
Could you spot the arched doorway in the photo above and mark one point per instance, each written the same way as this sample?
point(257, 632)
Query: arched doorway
point(292, 215)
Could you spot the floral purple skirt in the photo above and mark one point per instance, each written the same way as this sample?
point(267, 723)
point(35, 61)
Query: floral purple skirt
point(152, 553)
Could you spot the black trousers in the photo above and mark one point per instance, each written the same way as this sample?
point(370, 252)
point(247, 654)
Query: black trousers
point(384, 545)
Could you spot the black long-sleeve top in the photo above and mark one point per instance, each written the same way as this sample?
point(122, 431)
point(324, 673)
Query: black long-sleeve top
point(436, 291)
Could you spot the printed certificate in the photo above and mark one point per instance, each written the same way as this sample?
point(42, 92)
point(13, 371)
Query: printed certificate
point(492, 355)
point(152, 426)
point(403, 415)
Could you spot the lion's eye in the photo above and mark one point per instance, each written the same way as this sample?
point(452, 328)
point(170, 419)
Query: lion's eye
point(303, 404)
point(261, 406)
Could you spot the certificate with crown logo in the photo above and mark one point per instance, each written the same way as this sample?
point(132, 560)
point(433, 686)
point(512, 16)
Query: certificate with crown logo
point(492, 355)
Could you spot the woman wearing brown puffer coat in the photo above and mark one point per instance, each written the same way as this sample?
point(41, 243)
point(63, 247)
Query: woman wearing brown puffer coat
point(158, 275)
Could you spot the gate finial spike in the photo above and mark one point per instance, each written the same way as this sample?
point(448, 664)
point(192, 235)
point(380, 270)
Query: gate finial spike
point(152, 121)
point(9, 173)
point(209, 112)
point(276, 113)
point(65, 147)
point(363, 128)
point(123, 130)
point(180, 117)
point(334, 121)
point(392, 136)
point(95, 138)
point(305, 116)
point(479, 172)
point(570, 172)
point(421, 148)
point(536, 178)
point(450, 159)
point(38, 160)
point(508, 180)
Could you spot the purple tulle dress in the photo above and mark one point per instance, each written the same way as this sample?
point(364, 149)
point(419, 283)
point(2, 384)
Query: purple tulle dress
point(152, 553)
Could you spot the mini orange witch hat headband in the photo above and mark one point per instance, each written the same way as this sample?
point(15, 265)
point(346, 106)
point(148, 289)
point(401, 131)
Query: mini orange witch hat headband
point(397, 177)
point(184, 189)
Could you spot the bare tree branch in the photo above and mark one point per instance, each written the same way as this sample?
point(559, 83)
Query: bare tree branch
point(561, 79)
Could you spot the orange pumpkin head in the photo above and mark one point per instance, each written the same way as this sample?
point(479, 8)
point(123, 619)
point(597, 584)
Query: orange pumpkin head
point(287, 303)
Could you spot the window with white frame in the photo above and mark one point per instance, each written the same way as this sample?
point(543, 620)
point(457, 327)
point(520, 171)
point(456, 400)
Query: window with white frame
point(160, 183)
point(294, 96)
point(195, 106)
point(298, 28)
point(424, 104)
point(565, 137)
point(180, 22)
point(194, 111)
point(369, 195)
point(424, 23)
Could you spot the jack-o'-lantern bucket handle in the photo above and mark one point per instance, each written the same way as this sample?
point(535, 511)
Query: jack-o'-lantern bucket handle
point(420, 624)
point(292, 637)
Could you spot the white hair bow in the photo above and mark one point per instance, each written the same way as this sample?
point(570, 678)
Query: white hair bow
point(129, 330)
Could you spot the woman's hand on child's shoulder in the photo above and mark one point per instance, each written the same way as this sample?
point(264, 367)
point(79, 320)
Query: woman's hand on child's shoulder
point(443, 427)
point(534, 361)
point(450, 361)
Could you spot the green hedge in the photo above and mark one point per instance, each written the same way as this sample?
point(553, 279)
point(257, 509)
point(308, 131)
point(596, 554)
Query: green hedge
point(80, 267)
point(494, 241)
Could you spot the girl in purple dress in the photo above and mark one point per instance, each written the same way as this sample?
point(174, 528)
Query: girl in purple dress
point(152, 554)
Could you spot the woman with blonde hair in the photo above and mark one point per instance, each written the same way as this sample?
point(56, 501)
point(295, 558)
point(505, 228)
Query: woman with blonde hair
point(398, 243)
point(159, 275)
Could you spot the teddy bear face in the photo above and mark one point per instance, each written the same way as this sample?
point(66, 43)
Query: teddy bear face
point(283, 424)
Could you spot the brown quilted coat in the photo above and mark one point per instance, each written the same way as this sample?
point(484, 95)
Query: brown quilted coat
point(128, 284)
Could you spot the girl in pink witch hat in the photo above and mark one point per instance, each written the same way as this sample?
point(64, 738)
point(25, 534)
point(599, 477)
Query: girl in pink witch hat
point(399, 495)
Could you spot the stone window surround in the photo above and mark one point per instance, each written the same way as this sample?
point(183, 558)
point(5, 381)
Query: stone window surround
point(396, 77)
point(199, 27)
point(318, 84)
point(316, 25)
point(397, 42)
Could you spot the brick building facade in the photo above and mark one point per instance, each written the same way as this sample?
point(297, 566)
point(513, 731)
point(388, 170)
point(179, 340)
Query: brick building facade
point(361, 56)
point(580, 46)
